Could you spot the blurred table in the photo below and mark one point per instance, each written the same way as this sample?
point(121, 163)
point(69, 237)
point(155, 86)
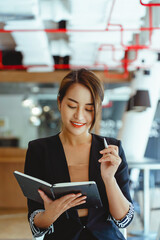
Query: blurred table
point(146, 164)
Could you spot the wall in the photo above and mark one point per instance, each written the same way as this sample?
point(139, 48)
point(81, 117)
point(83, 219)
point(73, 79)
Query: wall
point(19, 125)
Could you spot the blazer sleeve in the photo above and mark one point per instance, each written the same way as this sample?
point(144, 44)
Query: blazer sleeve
point(122, 174)
point(34, 167)
point(122, 178)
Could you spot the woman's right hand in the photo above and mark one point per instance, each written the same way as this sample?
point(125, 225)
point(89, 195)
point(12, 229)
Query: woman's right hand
point(54, 208)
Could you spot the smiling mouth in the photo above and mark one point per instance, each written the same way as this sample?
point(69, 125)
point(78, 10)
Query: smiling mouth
point(77, 125)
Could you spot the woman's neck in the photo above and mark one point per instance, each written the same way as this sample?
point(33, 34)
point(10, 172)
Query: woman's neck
point(72, 140)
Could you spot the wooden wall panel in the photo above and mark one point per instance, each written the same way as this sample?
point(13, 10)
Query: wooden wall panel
point(11, 196)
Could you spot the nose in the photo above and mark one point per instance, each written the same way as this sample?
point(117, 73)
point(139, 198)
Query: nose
point(79, 115)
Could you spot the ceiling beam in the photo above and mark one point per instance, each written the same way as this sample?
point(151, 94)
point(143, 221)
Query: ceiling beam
point(49, 77)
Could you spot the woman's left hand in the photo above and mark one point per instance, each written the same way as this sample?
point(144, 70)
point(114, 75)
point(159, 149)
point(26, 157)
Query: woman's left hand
point(110, 162)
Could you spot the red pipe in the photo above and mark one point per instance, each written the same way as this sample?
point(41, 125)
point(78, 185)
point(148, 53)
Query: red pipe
point(66, 66)
point(22, 67)
point(124, 75)
point(113, 50)
point(149, 4)
point(108, 45)
point(125, 63)
point(111, 75)
point(127, 48)
point(80, 30)
point(136, 47)
point(55, 66)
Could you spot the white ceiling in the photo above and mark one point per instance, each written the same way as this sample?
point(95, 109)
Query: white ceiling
point(86, 40)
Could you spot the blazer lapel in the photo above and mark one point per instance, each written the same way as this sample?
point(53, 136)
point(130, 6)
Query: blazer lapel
point(58, 165)
point(94, 165)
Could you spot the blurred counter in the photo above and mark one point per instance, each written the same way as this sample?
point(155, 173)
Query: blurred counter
point(9, 142)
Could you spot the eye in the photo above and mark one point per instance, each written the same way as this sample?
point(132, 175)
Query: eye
point(72, 107)
point(89, 110)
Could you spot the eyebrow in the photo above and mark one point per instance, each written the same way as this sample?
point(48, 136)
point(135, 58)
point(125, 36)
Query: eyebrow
point(90, 104)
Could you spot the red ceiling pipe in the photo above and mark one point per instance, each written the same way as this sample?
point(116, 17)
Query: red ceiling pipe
point(80, 30)
point(151, 28)
point(63, 30)
point(101, 48)
point(65, 66)
point(113, 49)
point(22, 67)
point(136, 50)
point(150, 4)
point(124, 61)
point(33, 30)
point(150, 25)
point(134, 47)
point(56, 66)
point(137, 46)
point(122, 29)
point(124, 75)
point(107, 74)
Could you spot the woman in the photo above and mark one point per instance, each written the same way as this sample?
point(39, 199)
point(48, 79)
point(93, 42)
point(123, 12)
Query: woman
point(75, 154)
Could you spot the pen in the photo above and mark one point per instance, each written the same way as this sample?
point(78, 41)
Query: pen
point(105, 143)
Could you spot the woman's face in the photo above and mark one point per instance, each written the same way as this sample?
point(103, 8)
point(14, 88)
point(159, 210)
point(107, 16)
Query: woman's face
point(77, 109)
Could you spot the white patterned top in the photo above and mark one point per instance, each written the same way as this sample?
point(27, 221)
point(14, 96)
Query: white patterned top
point(124, 222)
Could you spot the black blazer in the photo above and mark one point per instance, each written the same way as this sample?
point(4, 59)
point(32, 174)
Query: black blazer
point(45, 159)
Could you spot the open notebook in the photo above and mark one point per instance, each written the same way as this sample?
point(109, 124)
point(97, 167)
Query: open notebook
point(30, 185)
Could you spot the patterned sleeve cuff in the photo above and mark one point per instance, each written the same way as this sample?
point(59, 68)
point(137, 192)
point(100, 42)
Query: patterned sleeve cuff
point(38, 232)
point(124, 222)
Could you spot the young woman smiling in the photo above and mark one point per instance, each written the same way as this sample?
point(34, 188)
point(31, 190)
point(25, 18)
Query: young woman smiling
point(75, 154)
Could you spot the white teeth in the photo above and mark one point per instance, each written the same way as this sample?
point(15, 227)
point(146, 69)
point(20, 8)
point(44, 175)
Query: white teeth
point(79, 124)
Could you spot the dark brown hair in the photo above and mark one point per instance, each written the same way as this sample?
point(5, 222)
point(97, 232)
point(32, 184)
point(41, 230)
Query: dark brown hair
point(89, 80)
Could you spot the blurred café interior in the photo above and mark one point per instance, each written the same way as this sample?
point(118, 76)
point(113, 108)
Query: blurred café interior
point(119, 40)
